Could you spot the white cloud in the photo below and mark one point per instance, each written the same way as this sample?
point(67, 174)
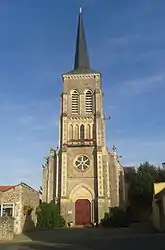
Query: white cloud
point(135, 150)
point(26, 120)
point(138, 86)
point(154, 53)
point(124, 40)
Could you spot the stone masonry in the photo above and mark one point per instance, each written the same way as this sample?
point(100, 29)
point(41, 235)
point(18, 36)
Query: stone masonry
point(20, 196)
point(6, 228)
point(82, 170)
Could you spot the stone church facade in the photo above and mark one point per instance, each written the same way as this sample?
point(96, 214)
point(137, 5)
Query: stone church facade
point(81, 174)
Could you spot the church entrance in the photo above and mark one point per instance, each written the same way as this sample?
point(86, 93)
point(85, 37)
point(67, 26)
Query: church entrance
point(82, 212)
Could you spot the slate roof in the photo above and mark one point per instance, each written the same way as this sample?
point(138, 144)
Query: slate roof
point(81, 62)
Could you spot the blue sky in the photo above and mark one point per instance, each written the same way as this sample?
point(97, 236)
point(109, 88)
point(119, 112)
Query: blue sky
point(126, 42)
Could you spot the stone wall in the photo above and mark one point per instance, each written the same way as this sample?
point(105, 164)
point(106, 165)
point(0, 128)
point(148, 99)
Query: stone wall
point(6, 228)
point(11, 196)
point(29, 197)
point(22, 195)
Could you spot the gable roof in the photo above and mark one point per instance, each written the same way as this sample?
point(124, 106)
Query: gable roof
point(6, 188)
point(160, 194)
point(158, 187)
point(27, 186)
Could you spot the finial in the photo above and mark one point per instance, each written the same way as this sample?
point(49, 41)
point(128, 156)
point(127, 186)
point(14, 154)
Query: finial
point(114, 149)
point(51, 152)
point(80, 10)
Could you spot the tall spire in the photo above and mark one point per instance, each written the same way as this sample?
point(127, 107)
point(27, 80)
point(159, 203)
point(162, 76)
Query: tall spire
point(81, 63)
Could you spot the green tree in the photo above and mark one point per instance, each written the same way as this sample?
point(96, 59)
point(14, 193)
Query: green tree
point(117, 217)
point(48, 216)
point(160, 175)
point(141, 186)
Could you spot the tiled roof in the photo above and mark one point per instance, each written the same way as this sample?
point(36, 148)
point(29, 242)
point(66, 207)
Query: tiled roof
point(5, 188)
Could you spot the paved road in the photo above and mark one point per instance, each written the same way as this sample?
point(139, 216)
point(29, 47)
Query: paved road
point(90, 239)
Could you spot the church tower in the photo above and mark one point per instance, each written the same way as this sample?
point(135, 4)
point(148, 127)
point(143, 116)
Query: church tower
point(85, 176)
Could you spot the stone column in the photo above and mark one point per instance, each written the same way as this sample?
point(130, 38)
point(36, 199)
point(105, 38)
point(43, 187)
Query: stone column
point(51, 179)
point(64, 175)
point(57, 175)
point(18, 218)
point(116, 164)
point(100, 175)
point(100, 135)
point(44, 182)
point(108, 178)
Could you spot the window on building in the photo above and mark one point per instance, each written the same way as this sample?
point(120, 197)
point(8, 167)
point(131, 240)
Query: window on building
point(70, 132)
point(88, 131)
point(7, 210)
point(75, 102)
point(82, 163)
point(89, 101)
point(76, 132)
point(82, 131)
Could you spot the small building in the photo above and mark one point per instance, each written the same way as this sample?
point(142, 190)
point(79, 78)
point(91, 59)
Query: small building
point(20, 202)
point(158, 206)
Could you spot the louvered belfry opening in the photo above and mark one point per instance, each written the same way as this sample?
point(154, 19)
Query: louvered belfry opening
point(75, 102)
point(89, 102)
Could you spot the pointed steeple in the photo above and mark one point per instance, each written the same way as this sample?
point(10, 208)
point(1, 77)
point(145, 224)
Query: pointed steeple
point(81, 63)
point(81, 56)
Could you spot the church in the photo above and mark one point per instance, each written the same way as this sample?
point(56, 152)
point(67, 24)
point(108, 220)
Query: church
point(81, 175)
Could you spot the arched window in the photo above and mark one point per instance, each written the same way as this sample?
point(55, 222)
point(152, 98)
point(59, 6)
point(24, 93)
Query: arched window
point(88, 131)
point(89, 101)
point(76, 132)
point(75, 102)
point(82, 131)
point(70, 132)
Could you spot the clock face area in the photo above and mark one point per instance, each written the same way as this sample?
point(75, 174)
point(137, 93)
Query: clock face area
point(82, 163)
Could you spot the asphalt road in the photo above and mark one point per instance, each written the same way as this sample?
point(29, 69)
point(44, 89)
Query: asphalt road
point(85, 240)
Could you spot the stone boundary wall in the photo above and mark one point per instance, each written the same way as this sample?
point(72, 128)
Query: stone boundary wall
point(6, 228)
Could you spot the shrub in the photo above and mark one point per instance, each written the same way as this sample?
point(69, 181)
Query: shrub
point(48, 216)
point(117, 217)
point(27, 210)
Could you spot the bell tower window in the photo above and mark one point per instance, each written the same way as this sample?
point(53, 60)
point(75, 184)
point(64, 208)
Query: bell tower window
point(70, 132)
point(88, 131)
point(76, 132)
point(89, 102)
point(75, 102)
point(82, 131)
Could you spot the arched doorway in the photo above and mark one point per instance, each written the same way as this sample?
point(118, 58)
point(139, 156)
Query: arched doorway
point(82, 212)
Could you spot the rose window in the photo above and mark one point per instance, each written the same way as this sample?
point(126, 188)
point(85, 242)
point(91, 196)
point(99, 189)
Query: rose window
point(82, 163)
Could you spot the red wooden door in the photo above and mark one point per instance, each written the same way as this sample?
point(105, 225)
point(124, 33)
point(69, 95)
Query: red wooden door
point(82, 212)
